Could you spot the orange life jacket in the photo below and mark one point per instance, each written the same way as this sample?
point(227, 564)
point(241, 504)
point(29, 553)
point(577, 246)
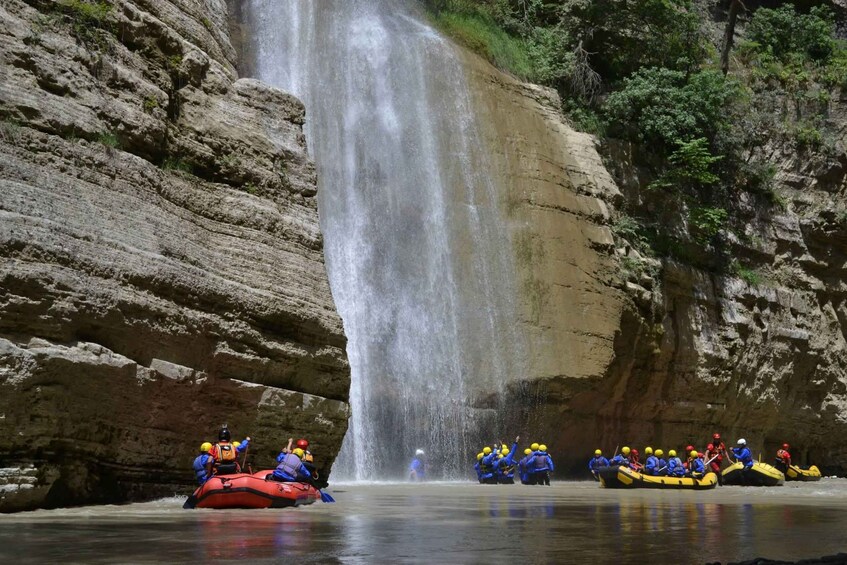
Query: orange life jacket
point(224, 453)
point(307, 457)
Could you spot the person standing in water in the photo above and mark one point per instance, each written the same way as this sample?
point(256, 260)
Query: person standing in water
point(417, 470)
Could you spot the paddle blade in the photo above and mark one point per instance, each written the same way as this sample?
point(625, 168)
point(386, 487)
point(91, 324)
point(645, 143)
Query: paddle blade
point(190, 503)
point(325, 497)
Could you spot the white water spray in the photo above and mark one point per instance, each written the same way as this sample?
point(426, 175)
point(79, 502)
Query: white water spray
point(418, 259)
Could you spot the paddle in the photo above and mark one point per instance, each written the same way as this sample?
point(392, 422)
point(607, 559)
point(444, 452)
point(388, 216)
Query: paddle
point(325, 497)
point(191, 502)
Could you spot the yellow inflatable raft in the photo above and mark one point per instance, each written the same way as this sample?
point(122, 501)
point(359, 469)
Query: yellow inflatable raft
point(795, 473)
point(760, 475)
point(624, 477)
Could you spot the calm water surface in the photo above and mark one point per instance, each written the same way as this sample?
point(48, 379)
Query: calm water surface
point(570, 522)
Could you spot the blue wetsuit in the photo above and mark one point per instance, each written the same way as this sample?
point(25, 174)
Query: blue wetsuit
point(542, 466)
point(200, 468)
point(597, 462)
point(651, 466)
point(419, 467)
point(744, 456)
point(620, 459)
point(505, 467)
point(697, 468)
point(661, 468)
point(487, 468)
point(523, 469)
point(675, 467)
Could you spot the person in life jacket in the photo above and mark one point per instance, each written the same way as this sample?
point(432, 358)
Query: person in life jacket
point(199, 466)
point(224, 454)
point(662, 465)
point(505, 468)
point(290, 467)
point(417, 469)
point(634, 462)
point(523, 467)
point(675, 468)
point(714, 455)
point(486, 465)
point(542, 466)
point(742, 454)
point(478, 466)
point(688, 449)
point(621, 458)
point(651, 465)
point(783, 458)
point(597, 461)
point(696, 466)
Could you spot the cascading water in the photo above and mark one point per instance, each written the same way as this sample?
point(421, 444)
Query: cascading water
point(418, 258)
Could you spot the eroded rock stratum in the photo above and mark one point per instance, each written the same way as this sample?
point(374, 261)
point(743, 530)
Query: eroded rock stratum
point(161, 264)
point(622, 348)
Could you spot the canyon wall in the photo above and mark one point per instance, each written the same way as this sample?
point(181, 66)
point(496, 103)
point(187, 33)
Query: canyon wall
point(161, 261)
point(627, 349)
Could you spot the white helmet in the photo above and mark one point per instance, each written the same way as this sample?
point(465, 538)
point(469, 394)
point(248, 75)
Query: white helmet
point(742, 441)
point(419, 452)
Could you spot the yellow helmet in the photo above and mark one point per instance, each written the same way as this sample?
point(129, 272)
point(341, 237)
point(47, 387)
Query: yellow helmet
point(534, 447)
point(542, 447)
point(659, 453)
point(298, 452)
point(527, 451)
point(598, 453)
point(486, 450)
point(625, 450)
point(648, 451)
point(205, 447)
point(672, 453)
point(479, 456)
point(693, 453)
point(504, 452)
point(236, 443)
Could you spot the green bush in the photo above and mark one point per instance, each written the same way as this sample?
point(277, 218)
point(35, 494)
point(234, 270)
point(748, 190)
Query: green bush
point(690, 166)
point(782, 32)
point(663, 108)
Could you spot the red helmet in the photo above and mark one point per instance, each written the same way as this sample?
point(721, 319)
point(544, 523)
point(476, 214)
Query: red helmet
point(710, 447)
point(716, 437)
point(634, 452)
point(785, 446)
point(689, 448)
point(302, 444)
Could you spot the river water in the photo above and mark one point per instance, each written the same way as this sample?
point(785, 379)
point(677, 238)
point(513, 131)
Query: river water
point(569, 522)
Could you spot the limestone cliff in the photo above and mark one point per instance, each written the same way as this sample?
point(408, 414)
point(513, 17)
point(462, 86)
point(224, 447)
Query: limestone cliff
point(161, 264)
point(627, 349)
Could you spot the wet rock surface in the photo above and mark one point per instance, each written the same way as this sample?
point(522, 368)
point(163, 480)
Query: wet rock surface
point(626, 349)
point(161, 262)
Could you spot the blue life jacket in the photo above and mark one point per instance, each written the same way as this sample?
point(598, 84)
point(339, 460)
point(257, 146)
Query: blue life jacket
point(651, 466)
point(697, 466)
point(663, 465)
point(290, 468)
point(598, 462)
point(619, 459)
point(541, 462)
point(675, 467)
point(743, 455)
point(200, 468)
point(506, 465)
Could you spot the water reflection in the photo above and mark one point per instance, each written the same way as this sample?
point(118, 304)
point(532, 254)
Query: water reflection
point(447, 523)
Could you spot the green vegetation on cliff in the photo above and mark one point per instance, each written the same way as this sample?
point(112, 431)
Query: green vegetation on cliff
point(649, 79)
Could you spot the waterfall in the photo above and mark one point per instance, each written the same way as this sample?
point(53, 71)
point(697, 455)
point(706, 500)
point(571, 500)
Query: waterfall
point(418, 257)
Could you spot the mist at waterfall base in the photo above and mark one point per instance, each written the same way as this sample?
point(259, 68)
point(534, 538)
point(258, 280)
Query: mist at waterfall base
point(418, 259)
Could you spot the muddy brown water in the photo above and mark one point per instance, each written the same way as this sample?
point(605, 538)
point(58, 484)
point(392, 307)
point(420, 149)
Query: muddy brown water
point(569, 522)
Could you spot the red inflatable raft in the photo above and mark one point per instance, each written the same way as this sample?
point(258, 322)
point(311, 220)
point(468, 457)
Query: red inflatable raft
point(251, 491)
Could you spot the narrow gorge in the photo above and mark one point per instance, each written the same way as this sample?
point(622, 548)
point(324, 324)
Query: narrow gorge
point(295, 217)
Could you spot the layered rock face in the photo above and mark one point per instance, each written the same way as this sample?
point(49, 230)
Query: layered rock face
point(624, 349)
point(162, 266)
